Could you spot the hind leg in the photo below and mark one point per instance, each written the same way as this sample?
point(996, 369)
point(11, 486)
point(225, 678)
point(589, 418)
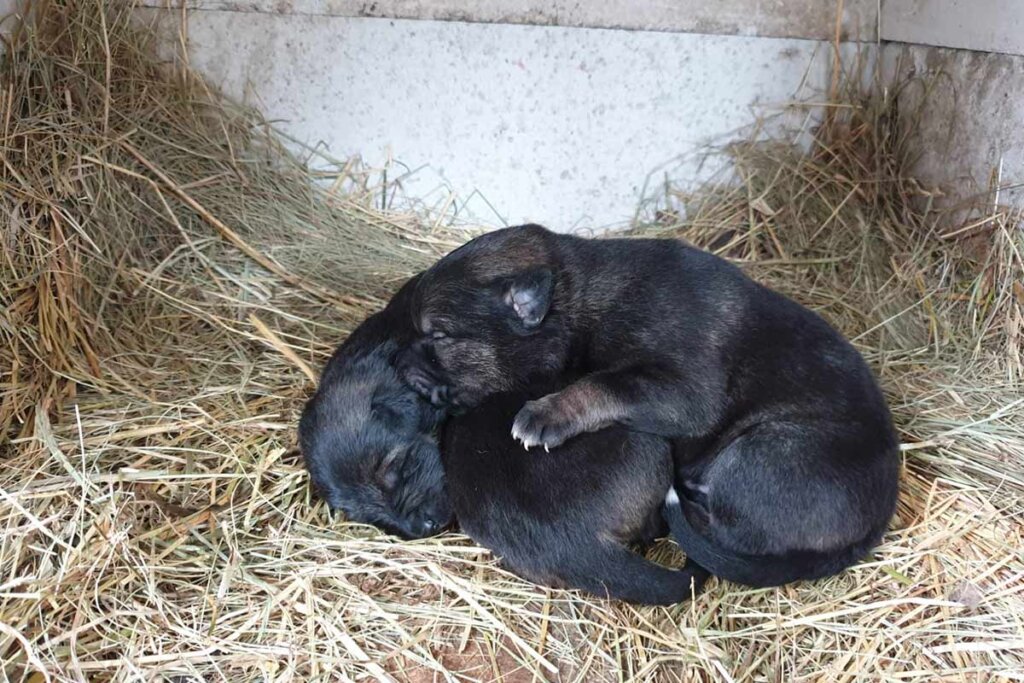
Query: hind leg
point(788, 486)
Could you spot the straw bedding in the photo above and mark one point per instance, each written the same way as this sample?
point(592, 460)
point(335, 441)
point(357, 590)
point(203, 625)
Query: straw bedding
point(172, 277)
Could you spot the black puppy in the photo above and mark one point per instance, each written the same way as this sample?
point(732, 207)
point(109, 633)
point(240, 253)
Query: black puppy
point(785, 455)
point(565, 519)
point(368, 440)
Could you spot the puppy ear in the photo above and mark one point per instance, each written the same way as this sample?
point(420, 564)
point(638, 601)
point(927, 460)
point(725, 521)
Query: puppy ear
point(387, 474)
point(529, 295)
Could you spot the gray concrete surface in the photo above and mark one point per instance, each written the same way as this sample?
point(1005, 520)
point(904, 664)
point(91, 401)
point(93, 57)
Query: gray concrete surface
point(776, 18)
point(517, 123)
point(7, 9)
point(970, 133)
point(986, 25)
point(573, 126)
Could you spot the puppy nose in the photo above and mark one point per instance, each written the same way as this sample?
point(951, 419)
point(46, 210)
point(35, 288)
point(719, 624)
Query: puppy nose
point(429, 526)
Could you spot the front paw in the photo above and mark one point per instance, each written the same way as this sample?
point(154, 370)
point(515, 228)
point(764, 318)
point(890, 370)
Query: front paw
point(543, 423)
point(428, 386)
point(423, 383)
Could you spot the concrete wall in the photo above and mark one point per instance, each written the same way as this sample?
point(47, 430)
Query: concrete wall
point(512, 110)
point(970, 132)
point(556, 121)
point(565, 126)
point(8, 8)
point(776, 18)
point(982, 25)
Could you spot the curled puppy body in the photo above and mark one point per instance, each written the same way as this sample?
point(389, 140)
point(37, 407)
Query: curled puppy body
point(367, 439)
point(565, 518)
point(783, 445)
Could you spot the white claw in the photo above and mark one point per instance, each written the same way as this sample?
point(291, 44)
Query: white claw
point(546, 448)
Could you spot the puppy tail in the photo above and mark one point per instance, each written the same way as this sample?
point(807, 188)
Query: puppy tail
point(759, 571)
point(617, 572)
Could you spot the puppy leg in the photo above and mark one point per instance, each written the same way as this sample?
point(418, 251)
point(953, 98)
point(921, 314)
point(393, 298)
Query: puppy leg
point(551, 420)
point(652, 399)
point(420, 371)
point(615, 572)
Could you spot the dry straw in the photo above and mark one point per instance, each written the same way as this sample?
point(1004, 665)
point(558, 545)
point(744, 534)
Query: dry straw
point(169, 277)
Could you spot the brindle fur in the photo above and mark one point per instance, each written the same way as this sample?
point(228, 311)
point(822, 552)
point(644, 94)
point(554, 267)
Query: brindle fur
point(784, 450)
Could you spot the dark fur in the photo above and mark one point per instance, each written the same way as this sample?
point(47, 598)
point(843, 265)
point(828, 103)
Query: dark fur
point(367, 439)
point(564, 519)
point(784, 447)
point(560, 526)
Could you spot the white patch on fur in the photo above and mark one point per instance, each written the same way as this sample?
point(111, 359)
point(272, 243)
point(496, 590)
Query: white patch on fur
point(694, 486)
point(672, 498)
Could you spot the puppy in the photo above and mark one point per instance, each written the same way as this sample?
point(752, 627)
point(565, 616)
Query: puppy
point(785, 456)
point(367, 440)
point(564, 519)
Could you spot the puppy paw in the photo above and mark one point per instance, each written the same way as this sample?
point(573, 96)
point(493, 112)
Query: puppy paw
point(440, 395)
point(427, 385)
point(423, 383)
point(542, 423)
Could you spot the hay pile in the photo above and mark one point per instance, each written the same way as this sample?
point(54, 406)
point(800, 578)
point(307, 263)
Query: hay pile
point(169, 277)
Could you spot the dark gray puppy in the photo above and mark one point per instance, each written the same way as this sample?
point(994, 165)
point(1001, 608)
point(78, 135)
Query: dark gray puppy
point(785, 455)
point(565, 520)
point(367, 440)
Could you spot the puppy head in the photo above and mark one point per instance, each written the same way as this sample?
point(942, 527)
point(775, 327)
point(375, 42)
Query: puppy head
point(369, 452)
point(487, 318)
